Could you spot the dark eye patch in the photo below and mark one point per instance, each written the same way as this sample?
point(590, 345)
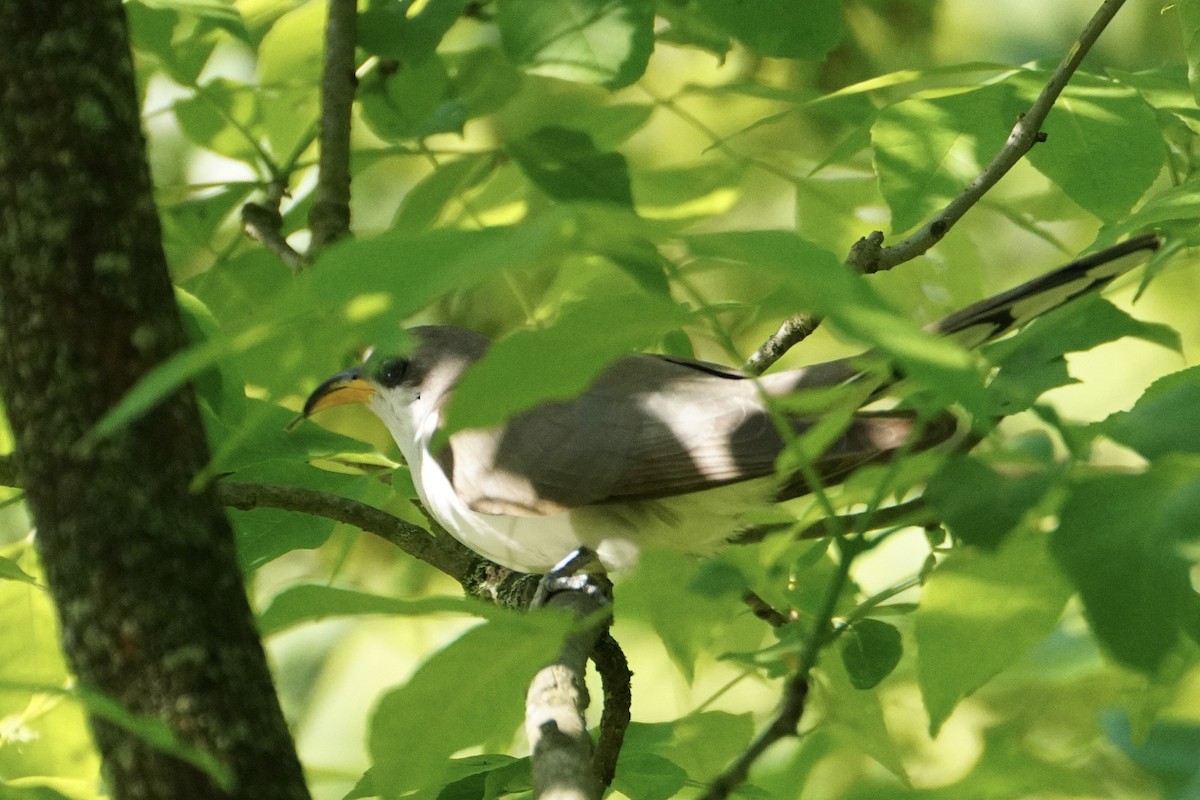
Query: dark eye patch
point(391, 372)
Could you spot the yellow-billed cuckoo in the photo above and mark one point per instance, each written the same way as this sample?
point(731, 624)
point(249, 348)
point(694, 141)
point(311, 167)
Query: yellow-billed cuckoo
point(657, 451)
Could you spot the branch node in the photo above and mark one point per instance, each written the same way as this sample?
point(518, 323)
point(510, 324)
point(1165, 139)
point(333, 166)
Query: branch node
point(265, 225)
point(866, 254)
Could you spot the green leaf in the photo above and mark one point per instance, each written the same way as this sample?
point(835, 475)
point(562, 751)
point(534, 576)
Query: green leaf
point(1120, 540)
point(870, 650)
point(607, 42)
point(11, 571)
point(262, 432)
point(27, 789)
point(482, 79)
point(784, 28)
point(1165, 419)
point(1173, 211)
point(485, 777)
point(427, 200)
point(1104, 146)
point(1031, 361)
point(157, 31)
point(291, 51)
point(1189, 21)
point(856, 717)
point(646, 776)
point(219, 117)
point(689, 27)
point(558, 361)
point(927, 150)
point(297, 605)
point(156, 733)
point(465, 694)
point(405, 102)
point(979, 613)
point(566, 165)
point(663, 585)
point(290, 60)
point(391, 30)
point(213, 9)
point(980, 504)
point(700, 744)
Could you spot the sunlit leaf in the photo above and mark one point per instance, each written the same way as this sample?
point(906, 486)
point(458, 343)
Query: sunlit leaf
point(1165, 419)
point(927, 149)
point(11, 571)
point(1104, 146)
point(396, 31)
point(979, 613)
point(594, 41)
point(417, 726)
point(817, 281)
point(405, 273)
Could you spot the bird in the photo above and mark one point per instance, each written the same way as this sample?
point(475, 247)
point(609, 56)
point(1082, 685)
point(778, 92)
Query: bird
point(658, 451)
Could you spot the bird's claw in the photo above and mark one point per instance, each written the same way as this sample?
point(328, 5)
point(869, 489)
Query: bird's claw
point(581, 571)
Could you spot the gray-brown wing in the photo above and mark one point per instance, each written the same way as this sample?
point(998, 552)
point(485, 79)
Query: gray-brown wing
point(647, 428)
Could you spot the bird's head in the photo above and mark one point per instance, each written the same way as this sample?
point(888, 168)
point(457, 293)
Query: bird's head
point(407, 390)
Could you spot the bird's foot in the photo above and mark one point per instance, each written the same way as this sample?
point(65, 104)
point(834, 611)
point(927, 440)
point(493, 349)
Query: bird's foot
point(581, 571)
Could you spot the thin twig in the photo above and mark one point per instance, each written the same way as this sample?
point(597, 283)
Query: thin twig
point(764, 610)
point(329, 218)
point(868, 255)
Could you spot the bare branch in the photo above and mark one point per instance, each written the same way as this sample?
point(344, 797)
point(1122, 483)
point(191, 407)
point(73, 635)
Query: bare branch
point(265, 225)
point(764, 610)
point(330, 216)
point(868, 255)
point(615, 677)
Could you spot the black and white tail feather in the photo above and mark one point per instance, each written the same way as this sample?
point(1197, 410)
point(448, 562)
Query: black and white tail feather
point(997, 315)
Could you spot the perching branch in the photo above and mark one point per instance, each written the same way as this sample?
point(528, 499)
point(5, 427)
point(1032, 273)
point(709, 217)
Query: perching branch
point(442, 553)
point(868, 255)
point(330, 216)
point(559, 743)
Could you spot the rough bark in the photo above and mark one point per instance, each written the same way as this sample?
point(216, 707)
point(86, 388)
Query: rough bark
point(143, 572)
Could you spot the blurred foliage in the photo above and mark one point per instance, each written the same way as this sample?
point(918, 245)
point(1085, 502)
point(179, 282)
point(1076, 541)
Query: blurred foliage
point(593, 176)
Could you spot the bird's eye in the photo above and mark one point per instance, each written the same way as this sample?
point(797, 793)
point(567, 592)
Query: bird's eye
point(392, 372)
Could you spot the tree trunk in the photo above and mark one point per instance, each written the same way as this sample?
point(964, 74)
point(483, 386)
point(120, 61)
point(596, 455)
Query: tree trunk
point(143, 572)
